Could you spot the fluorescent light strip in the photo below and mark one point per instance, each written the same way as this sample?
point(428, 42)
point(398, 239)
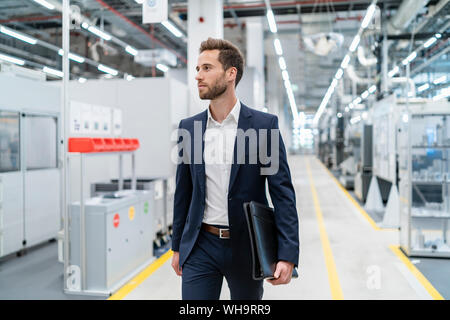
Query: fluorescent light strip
point(339, 74)
point(409, 58)
point(131, 50)
point(82, 80)
point(17, 35)
point(45, 4)
point(12, 60)
point(429, 42)
point(372, 89)
point(393, 72)
point(355, 120)
point(271, 20)
point(444, 94)
point(355, 43)
point(345, 62)
point(108, 70)
point(423, 87)
point(53, 72)
point(97, 31)
point(278, 48)
point(282, 63)
point(285, 75)
point(169, 26)
point(369, 16)
point(72, 56)
point(162, 67)
point(365, 94)
point(440, 80)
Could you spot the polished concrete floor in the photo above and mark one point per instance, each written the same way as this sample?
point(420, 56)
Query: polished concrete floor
point(342, 256)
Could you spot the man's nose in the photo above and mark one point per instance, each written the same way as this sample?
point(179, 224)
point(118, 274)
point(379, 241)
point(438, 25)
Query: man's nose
point(198, 76)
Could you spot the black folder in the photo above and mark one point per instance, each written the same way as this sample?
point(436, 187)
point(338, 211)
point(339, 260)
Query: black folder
point(263, 240)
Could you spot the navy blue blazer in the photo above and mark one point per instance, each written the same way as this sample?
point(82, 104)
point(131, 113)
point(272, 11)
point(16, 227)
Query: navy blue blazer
point(246, 184)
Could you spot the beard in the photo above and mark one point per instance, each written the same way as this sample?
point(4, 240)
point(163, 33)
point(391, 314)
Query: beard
point(218, 88)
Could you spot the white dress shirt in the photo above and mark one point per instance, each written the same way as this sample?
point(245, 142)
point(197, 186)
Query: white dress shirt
point(218, 154)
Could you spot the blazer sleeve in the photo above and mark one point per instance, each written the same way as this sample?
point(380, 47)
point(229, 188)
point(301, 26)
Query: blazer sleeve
point(182, 196)
point(282, 194)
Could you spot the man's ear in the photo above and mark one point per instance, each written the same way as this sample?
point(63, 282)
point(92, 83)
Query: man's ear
point(231, 73)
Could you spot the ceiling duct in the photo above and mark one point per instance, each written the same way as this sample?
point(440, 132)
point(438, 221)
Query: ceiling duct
point(405, 13)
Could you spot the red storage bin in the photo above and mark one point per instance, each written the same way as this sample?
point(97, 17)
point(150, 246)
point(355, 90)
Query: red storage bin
point(127, 143)
point(109, 144)
point(81, 145)
point(99, 144)
point(135, 144)
point(119, 145)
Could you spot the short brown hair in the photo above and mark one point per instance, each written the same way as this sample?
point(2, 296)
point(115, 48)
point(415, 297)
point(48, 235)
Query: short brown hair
point(229, 55)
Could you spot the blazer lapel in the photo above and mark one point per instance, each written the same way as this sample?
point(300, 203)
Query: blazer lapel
point(200, 168)
point(244, 123)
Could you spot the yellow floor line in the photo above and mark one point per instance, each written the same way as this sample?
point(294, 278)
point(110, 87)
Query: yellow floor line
point(136, 281)
point(357, 205)
point(419, 276)
point(335, 286)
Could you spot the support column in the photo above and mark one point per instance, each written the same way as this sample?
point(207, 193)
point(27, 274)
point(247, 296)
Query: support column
point(205, 19)
point(255, 58)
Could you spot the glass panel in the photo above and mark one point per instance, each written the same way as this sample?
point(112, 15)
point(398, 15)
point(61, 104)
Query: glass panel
point(430, 184)
point(9, 141)
point(41, 142)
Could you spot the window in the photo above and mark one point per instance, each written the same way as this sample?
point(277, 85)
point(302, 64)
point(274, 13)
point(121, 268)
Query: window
point(41, 142)
point(9, 141)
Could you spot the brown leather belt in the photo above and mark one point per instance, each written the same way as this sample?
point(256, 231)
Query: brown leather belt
point(221, 233)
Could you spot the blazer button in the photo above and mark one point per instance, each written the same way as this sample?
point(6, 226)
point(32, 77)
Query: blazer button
point(230, 198)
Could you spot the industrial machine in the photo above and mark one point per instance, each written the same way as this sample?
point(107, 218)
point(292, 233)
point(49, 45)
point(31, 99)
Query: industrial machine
point(364, 167)
point(30, 191)
point(424, 174)
point(162, 201)
point(118, 238)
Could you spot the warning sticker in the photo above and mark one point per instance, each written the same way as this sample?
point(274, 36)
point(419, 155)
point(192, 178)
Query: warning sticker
point(116, 220)
point(131, 213)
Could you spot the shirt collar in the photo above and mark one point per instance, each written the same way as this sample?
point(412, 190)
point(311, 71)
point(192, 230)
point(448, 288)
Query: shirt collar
point(234, 113)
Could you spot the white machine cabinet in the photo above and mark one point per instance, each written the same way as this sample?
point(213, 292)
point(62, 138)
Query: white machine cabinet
point(424, 171)
point(119, 238)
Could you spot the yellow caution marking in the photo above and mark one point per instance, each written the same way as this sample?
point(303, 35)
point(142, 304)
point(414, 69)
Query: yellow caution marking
point(333, 279)
point(419, 276)
point(136, 281)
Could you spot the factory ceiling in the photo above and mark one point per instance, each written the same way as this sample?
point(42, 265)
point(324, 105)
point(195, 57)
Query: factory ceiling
point(298, 22)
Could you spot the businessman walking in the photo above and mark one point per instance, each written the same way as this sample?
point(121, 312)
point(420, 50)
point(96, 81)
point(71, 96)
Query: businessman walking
point(218, 173)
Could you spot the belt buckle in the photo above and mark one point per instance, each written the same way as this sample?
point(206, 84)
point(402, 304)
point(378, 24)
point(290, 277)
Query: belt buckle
point(221, 236)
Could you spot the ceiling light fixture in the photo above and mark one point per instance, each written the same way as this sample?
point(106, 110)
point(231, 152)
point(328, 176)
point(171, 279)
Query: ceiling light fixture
point(271, 20)
point(369, 16)
point(278, 48)
point(17, 35)
point(46, 4)
point(72, 56)
point(53, 72)
point(440, 80)
point(131, 50)
point(12, 60)
point(169, 26)
point(108, 70)
point(162, 67)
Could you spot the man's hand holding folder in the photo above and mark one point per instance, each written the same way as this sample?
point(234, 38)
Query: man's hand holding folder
point(264, 244)
point(282, 274)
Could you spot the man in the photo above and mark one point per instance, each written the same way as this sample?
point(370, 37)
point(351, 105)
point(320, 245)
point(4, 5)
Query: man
point(210, 235)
